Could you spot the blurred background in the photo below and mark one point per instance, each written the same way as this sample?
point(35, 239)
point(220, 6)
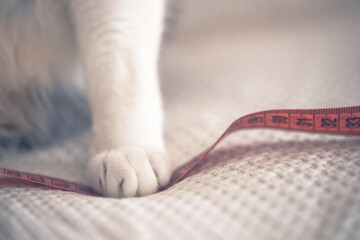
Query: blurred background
point(223, 59)
point(228, 58)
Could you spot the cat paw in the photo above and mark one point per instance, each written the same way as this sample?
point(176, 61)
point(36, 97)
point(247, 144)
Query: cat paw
point(128, 172)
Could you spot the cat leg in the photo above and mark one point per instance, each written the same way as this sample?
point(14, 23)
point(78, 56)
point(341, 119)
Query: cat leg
point(119, 43)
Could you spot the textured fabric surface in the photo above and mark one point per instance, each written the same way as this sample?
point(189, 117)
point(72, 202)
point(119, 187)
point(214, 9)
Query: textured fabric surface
point(225, 59)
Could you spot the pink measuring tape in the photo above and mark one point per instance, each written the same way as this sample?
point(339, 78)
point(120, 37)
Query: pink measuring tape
point(343, 121)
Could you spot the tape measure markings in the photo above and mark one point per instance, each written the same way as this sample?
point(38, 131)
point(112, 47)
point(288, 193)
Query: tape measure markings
point(51, 182)
point(343, 121)
point(315, 120)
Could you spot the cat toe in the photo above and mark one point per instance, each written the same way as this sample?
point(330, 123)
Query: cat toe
point(128, 172)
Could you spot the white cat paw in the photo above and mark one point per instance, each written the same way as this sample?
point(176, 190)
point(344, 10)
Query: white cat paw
point(128, 172)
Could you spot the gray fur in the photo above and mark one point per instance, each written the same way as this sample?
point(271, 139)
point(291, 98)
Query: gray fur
point(39, 102)
point(30, 118)
point(37, 106)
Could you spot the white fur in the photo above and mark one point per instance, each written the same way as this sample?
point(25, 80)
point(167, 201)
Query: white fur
point(116, 44)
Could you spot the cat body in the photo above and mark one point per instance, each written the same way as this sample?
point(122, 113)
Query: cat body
point(54, 54)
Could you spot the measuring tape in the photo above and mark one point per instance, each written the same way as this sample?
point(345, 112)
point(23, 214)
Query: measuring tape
point(343, 121)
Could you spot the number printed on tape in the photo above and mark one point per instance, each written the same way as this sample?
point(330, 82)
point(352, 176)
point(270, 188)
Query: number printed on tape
point(345, 121)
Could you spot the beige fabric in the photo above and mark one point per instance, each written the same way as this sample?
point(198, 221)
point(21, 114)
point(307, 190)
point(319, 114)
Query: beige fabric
point(226, 59)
